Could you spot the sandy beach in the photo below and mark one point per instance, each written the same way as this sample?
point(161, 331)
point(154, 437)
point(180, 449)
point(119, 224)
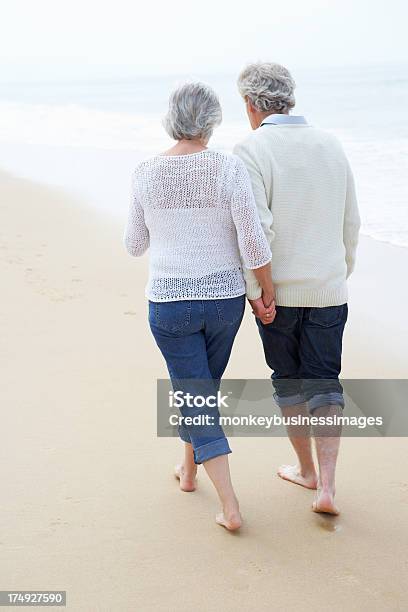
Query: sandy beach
point(89, 503)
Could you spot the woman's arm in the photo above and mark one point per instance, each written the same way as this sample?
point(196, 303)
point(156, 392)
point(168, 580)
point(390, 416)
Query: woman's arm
point(253, 245)
point(136, 238)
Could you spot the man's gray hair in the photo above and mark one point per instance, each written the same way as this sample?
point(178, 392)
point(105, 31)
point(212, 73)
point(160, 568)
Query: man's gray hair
point(194, 112)
point(269, 87)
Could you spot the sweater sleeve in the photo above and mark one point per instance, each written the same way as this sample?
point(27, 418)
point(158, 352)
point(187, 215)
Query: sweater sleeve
point(253, 245)
point(253, 288)
point(352, 223)
point(136, 237)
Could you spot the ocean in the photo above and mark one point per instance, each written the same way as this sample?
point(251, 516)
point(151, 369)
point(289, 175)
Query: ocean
point(86, 136)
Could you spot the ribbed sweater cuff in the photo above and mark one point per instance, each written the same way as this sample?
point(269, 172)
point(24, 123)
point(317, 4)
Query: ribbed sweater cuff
point(253, 289)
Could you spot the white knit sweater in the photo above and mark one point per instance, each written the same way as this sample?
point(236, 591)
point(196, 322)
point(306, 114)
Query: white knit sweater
point(197, 212)
point(304, 191)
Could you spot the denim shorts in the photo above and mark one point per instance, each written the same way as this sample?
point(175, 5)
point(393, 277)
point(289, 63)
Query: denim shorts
point(303, 347)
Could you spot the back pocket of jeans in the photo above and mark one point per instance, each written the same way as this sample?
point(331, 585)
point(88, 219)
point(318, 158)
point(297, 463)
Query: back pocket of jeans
point(286, 318)
point(327, 316)
point(230, 310)
point(171, 316)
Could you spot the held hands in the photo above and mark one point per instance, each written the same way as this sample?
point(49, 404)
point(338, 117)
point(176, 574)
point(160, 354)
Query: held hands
point(264, 308)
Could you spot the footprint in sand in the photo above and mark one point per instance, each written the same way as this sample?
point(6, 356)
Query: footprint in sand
point(347, 578)
point(58, 296)
point(247, 574)
point(14, 260)
point(328, 523)
point(401, 485)
point(250, 568)
point(402, 489)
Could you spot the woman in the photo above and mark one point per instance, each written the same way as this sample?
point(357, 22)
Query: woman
point(194, 207)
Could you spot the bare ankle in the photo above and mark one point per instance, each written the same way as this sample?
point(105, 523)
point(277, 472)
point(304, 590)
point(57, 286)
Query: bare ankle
point(189, 470)
point(307, 470)
point(230, 505)
point(327, 488)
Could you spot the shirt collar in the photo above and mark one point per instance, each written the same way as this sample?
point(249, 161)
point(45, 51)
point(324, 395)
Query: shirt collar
point(279, 119)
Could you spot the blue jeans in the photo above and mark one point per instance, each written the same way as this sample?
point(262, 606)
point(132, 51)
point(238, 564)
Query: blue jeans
point(196, 338)
point(303, 347)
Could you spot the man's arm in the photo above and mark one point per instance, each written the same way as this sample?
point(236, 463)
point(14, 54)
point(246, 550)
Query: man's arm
point(253, 288)
point(352, 223)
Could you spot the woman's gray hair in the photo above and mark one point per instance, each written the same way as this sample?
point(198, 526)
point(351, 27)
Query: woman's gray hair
point(194, 112)
point(269, 87)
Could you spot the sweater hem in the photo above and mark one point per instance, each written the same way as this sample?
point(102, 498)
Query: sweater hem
point(317, 298)
point(157, 299)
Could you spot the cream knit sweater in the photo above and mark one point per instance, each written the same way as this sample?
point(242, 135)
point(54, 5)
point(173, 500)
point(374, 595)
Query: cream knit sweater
point(304, 191)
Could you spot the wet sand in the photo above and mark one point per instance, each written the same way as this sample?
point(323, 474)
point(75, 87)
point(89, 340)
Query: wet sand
point(89, 503)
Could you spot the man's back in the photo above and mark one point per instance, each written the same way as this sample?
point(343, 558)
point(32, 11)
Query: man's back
point(305, 195)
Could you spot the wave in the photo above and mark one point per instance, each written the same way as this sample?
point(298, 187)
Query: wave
point(379, 159)
point(79, 126)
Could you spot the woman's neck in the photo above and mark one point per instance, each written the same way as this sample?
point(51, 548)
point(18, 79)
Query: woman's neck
point(184, 147)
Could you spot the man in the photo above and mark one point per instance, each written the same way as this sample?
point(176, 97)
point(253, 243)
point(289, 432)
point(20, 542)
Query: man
point(305, 195)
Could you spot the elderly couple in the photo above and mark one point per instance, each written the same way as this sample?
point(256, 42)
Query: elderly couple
point(213, 222)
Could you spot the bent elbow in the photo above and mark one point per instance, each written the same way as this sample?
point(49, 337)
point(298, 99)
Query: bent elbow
point(136, 249)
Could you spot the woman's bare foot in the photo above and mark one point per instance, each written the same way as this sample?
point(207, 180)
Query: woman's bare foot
point(232, 522)
point(187, 479)
point(293, 474)
point(324, 502)
point(230, 517)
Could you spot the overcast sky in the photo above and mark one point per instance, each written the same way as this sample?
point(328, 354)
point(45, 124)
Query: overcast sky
point(65, 38)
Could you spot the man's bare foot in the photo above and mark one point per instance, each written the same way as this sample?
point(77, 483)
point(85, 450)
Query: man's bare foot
point(187, 480)
point(230, 517)
point(293, 474)
point(324, 502)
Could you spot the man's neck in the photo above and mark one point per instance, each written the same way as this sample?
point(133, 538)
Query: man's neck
point(262, 116)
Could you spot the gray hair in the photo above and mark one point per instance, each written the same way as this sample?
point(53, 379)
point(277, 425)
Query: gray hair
point(194, 112)
point(269, 87)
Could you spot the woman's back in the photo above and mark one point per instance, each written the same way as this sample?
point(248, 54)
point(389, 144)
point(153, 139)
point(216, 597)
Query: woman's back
point(199, 213)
